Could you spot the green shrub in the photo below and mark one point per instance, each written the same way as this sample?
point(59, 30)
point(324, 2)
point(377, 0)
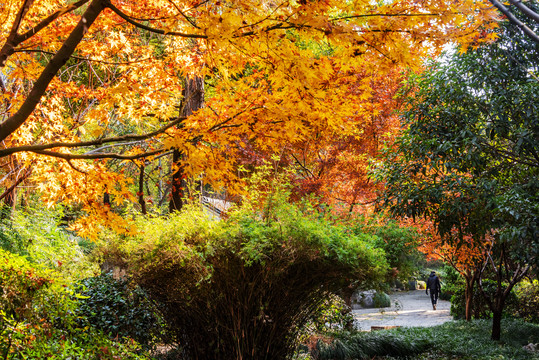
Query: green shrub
point(451, 282)
point(333, 315)
point(20, 284)
point(400, 245)
point(527, 304)
point(381, 300)
point(244, 287)
point(38, 320)
point(38, 236)
point(119, 309)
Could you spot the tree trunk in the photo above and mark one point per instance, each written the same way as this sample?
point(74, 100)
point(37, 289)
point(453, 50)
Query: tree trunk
point(140, 192)
point(496, 323)
point(193, 99)
point(469, 297)
point(176, 193)
point(10, 194)
point(10, 201)
point(470, 277)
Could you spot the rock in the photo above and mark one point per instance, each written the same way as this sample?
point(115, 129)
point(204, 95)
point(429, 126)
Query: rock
point(370, 299)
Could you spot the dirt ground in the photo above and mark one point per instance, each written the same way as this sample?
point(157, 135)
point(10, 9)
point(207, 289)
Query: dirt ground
point(408, 309)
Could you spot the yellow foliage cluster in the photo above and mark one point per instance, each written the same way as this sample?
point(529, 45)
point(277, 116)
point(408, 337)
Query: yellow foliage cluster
point(278, 73)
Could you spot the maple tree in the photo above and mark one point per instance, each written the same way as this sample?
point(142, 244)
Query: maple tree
point(335, 167)
point(88, 83)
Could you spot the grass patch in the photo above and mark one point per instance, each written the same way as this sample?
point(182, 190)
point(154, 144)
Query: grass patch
point(452, 340)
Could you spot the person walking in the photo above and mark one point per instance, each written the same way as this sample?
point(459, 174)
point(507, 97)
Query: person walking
point(433, 284)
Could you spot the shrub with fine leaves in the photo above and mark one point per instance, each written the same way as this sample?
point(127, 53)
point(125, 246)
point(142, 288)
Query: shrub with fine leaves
point(244, 287)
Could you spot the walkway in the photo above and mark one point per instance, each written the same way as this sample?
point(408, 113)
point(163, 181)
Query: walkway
point(408, 308)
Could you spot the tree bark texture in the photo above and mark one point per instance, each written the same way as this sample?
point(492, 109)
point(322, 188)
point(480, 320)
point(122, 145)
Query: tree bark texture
point(193, 99)
point(141, 191)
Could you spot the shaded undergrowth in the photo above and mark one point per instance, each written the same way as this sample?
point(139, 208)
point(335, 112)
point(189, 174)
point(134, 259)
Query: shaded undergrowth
point(453, 340)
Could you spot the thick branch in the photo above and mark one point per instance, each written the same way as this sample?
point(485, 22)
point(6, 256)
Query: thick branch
point(85, 58)
point(515, 21)
point(385, 15)
point(11, 40)
point(98, 156)
point(49, 19)
point(128, 137)
point(50, 71)
point(526, 10)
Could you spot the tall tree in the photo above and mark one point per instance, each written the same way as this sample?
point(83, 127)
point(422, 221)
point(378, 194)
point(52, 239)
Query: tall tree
point(469, 159)
point(465, 256)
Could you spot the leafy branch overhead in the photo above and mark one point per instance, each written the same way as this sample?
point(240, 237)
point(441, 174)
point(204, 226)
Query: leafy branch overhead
point(76, 77)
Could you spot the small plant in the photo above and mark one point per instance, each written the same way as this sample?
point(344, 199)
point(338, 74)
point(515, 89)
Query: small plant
point(398, 306)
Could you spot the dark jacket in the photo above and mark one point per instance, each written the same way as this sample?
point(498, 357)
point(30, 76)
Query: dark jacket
point(433, 283)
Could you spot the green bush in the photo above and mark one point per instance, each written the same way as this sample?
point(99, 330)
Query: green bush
point(245, 286)
point(38, 320)
point(119, 309)
point(451, 282)
point(400, 245)
point(527, 304)
point(381, 300)
point(333, 315)
point(38, 236)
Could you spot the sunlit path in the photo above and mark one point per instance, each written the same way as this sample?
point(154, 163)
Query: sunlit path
point(410, 308)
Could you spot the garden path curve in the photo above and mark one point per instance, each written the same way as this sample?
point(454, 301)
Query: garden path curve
point(408, 309)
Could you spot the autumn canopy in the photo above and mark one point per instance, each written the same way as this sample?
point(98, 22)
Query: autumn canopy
point(89, 87)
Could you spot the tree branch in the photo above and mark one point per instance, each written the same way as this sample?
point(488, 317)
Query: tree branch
point(19, 180)
point(11, 40)
point(515, 21)
point(384, 15)
point(128, 137)
point(148, 28)
point(48, 20)
point(526, 10)
point(40, 86)
point(69, 157)
point(83, 58)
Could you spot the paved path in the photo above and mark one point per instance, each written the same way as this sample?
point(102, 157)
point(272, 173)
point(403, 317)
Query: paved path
point(408, 308)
